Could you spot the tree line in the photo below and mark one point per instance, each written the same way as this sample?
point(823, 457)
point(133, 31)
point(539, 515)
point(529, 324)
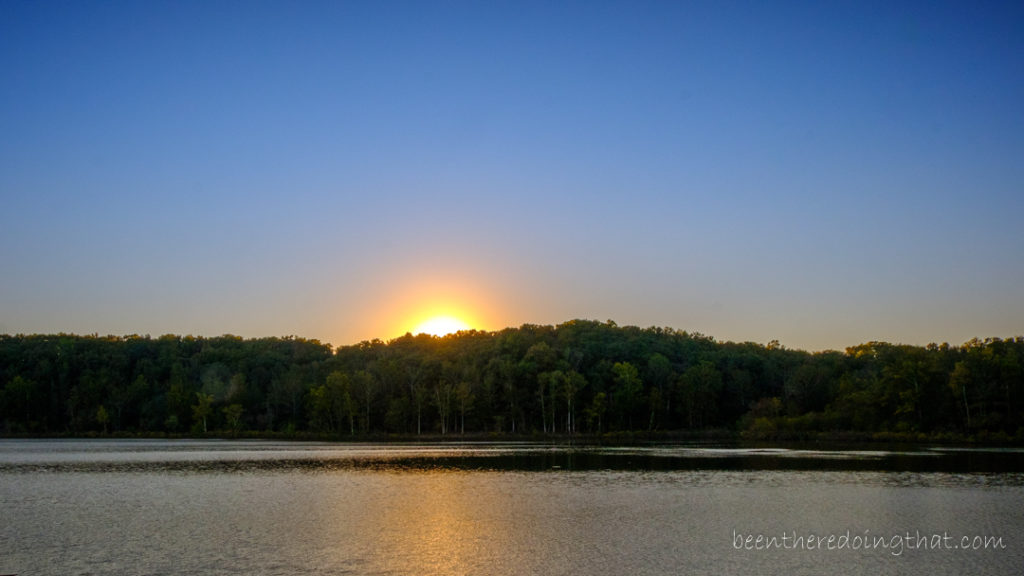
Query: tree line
point(579, 377)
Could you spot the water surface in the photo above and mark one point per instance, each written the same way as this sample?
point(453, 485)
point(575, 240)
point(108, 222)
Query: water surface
point(169, 507)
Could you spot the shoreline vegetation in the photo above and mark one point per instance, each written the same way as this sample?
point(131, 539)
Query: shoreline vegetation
point(719, 438)
point(725, 438)
point(581, 382)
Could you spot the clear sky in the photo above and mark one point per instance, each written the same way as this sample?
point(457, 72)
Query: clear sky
point(821, 173)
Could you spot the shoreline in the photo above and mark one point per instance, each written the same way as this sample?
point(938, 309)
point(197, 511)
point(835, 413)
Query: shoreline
point(726, 437)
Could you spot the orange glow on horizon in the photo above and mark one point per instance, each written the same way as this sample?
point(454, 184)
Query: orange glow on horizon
point(441, 326)
point(417, 299)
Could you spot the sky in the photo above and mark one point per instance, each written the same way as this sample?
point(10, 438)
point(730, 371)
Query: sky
point(819, 173)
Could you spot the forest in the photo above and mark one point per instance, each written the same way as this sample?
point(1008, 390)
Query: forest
point(581, 377)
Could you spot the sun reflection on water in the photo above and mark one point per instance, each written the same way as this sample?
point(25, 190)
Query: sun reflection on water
point(427, 528)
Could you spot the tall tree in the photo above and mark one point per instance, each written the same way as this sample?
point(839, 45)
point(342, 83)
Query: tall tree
point(465, 396)
point(202, 409)
point(628, 392)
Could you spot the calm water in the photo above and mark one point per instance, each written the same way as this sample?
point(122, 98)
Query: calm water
point(152, 507)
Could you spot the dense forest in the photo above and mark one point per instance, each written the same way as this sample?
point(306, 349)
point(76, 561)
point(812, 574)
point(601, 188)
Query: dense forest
point(580, 377)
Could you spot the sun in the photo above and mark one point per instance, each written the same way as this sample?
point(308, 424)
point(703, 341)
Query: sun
point(441, 326)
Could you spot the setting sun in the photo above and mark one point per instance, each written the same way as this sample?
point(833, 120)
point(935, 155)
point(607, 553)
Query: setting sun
point(441, 326)
point(435, 301)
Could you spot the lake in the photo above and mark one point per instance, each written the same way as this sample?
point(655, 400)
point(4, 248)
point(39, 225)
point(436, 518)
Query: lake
point(260, 507)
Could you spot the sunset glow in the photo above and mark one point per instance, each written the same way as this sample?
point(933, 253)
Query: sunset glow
point(491, 163)
point(441, 326)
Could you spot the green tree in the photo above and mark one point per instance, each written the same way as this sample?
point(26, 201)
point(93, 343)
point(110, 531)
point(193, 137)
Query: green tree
point(202, 409)
point(464, 396)
point(573, 383)
point(102, 417)
point(596, 410)
point(659, 376)
point(365, 386)
point(500, 376)
point(959, 382)
point(233, 415)
point(331, 404)
point(628, 390)
point(443, 392)
point(178, 398)
point(701, 385)
point(414, 373)
point(548, 385)
point(19, 398)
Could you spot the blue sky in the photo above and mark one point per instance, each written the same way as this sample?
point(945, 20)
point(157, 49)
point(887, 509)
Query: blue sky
point(823, 174)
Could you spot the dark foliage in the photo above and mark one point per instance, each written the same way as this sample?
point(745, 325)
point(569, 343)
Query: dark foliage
point(577, 377)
